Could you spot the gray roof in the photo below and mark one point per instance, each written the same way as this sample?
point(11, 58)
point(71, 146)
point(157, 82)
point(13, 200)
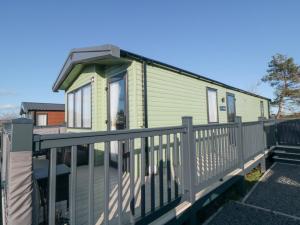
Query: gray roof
point(38, 106)
point(82, 56)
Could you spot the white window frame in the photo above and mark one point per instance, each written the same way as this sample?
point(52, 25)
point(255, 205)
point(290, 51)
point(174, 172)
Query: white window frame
point(37, 119)
point(210, 107)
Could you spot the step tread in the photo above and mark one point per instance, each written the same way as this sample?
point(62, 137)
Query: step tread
point(288, 147)
point(286, 152)
point(288, 159)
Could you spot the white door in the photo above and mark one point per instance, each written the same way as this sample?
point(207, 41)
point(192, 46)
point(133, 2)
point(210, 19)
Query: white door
point(117, 104)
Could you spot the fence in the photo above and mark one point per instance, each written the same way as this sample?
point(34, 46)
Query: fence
point(49, 129)
point(288, 132)
point(136, 175)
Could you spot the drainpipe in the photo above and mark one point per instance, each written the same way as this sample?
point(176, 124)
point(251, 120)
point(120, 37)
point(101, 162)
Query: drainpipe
point(145, 95)
point(146, 114)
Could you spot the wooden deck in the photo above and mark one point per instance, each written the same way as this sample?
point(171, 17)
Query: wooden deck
point(82, 195)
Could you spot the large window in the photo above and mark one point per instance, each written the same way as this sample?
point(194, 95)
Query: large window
point(212, 105)
point(79, 108)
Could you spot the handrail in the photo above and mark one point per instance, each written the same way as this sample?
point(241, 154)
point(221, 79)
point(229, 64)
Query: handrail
point(70, 139)
point(214, 125)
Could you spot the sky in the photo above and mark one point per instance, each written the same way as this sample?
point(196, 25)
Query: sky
point(230, 41)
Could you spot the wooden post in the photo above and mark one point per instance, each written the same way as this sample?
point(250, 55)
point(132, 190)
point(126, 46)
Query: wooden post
point(189, 162)
point(263, 144)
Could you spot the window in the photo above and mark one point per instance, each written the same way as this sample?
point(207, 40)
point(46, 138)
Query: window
point(41, 119)
point(212, 105)
point(79, 107)
point(70, 110)
point(231, 111)
point(262, 112)
point(86, 106)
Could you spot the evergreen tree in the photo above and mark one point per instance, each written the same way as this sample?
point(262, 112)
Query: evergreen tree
point(283, 75)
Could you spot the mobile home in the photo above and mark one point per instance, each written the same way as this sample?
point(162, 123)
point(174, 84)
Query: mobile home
point(108, 88)
point(43, 114)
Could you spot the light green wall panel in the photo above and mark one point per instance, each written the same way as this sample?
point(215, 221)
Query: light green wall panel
point(172, 95)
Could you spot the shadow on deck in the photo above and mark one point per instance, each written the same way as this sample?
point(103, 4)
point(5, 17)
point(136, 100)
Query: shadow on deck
point(82, 195)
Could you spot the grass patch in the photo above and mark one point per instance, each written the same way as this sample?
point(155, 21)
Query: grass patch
point(254, 175)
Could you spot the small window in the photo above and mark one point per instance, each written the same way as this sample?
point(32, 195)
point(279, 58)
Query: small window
point(212, 105)
point(262, 111)
point(41, 119)
point(80, 107)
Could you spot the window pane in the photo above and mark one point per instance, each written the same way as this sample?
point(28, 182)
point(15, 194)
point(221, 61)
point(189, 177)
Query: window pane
point(231, 108)
point(212, 106)
point(70, 110)
point(41, 120)
point(86, 110)
point(78, 108)
point(262, 113)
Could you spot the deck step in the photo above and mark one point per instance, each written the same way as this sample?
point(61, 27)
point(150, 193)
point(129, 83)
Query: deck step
point(287, 148)
point(286, 160)
point(286, 154)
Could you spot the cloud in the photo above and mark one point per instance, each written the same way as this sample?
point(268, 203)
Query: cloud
point(4, 92)
point(8, 107)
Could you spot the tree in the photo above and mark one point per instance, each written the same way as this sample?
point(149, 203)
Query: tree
point(283, 75)
point(8, 115)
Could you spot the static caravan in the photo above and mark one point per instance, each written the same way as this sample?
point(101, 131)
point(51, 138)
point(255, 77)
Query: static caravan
point(108, 88)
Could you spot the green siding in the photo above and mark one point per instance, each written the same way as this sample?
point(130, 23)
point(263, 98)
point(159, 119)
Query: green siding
point(172, 95)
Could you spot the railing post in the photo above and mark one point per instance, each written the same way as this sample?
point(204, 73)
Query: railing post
point(19, 181)
point(276, 132)
point(264, 136)
point(240, 143)
point(263, 161)
point(189, 162)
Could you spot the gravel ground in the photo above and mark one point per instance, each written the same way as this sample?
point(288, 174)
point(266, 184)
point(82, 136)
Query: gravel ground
point(237, 214)
point(279, 190)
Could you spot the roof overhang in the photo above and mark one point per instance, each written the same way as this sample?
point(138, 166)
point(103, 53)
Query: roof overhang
point(79, 57)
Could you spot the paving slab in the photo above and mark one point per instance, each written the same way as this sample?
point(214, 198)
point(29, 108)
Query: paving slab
point(235, 213)
point(279, 190)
